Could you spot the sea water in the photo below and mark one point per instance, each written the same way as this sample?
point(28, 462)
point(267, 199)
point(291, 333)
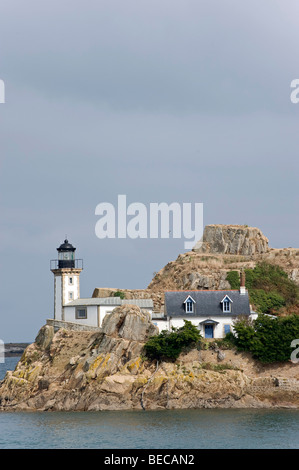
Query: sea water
point(163, 429)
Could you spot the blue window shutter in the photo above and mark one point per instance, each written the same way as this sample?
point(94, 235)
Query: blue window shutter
point(226, 329)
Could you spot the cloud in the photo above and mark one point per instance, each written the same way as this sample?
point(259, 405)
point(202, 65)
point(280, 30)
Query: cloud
point(162, 101)
point(177, 57)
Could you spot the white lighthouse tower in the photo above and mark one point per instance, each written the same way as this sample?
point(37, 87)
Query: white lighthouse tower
point(66, 270)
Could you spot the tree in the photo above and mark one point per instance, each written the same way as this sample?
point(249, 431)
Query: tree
point(267, 338)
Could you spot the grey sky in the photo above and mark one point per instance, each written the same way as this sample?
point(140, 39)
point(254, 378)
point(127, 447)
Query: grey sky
point(185, 101)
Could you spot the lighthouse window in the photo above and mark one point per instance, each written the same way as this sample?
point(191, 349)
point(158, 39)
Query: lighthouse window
point(71, 280)
point(81, 312)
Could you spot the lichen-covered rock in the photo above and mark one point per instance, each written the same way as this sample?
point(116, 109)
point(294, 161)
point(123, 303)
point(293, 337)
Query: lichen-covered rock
point(45, 336)
point(129, 322)
point(86, 371)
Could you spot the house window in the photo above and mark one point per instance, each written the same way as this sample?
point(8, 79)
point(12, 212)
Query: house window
point(226, 304)
point(189, 306)
point(81, 312)
point(226, 329)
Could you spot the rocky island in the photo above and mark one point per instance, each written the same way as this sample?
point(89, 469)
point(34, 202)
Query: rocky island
point(85, 371)
point(107, 369)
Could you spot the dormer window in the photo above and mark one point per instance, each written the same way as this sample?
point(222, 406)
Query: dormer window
point(226, 304)
point(189, 304)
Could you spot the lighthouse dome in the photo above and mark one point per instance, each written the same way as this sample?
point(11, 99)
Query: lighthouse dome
point(66, 246)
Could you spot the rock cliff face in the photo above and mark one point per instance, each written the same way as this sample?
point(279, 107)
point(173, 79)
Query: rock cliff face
point(81, 370)
point(232, 240)
point(223, 248)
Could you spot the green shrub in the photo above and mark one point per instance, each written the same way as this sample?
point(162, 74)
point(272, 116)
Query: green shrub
point(244, 333)
point(266, 302)
point(169, 344)
point(233, 278)
point(119, 293)
point(269, 287)
point(224, 343)
point(272, 278)
point(267, 338)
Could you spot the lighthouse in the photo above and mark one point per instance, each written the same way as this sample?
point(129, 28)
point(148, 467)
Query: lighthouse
point(66, 270)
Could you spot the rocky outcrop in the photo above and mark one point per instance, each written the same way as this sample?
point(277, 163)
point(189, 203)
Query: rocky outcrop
point(81, 370)
point(224, 248)
point(233, 240)
point(45, 336)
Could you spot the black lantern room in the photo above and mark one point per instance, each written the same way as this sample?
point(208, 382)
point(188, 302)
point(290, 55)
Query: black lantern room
point(66, 255)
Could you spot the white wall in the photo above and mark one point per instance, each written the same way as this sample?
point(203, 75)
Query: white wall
point(161, 324)
point(57, 298)
point(70, 288)
point(62, 289)
point(92, 315)
point(178, 322)
point(105, 310)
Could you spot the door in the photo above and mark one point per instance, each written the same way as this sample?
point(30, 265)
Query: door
point(209, 331)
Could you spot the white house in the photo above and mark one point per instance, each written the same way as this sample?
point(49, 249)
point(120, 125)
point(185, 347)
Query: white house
point(213, 312)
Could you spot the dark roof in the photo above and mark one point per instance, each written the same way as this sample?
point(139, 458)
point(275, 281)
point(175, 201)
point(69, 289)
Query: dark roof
point(66, 246)
point(208, 303)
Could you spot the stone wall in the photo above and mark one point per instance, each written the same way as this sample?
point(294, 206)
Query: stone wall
point(70, 326)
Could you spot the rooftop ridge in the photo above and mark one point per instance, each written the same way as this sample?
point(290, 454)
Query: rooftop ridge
point(203, 290)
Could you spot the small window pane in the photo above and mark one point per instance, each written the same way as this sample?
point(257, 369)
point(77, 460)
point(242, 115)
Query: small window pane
point(81, 313)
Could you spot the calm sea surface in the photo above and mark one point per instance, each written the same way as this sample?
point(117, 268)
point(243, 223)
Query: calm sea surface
point(167, 429)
